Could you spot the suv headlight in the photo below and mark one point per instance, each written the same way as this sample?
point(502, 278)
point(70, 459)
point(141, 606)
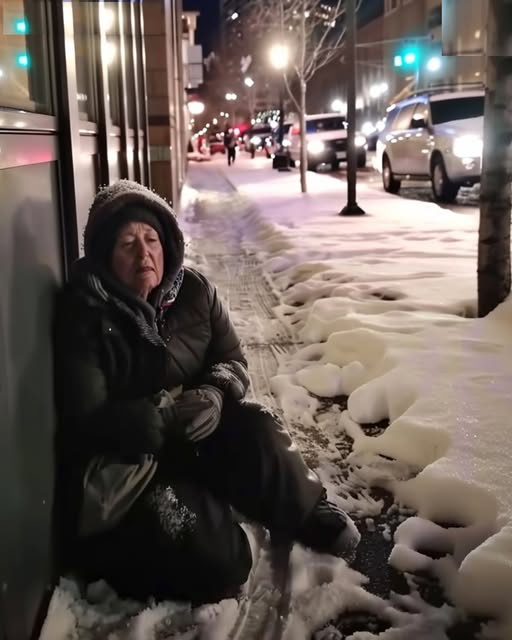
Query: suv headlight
point(467, 147)
point(256, 140)
point(316, 146)
point(359, 140)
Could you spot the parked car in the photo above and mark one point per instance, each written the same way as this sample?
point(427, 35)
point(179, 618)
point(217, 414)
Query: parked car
point(216, 143)
point(326, 139)
point(434, 135)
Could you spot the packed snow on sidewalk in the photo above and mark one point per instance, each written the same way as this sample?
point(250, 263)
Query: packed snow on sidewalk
point(385, 306)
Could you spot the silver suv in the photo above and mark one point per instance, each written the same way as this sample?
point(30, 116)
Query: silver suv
point(434, 135)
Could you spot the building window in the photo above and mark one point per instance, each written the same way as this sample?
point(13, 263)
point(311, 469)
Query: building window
point(24, 67)
point(85, 39)
point(435, 17)
point(391, 5)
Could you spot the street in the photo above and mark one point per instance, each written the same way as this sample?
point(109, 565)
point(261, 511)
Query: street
point(467, 200)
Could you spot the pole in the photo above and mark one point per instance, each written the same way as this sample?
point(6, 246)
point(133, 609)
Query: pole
point(351, 208)
point(281, 116)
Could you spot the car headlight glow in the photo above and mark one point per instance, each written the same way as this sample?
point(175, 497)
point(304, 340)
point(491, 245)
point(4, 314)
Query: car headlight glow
point(316, 146)
point(256, 140)
point(467, 147)
point(286, 143)
point(359, 140)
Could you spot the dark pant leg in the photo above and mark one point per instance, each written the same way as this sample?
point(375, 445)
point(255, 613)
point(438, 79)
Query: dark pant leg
point(251, 461)
point(177, 542)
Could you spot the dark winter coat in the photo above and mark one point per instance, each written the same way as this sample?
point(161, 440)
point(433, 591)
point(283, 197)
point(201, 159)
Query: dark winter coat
point(114, 351)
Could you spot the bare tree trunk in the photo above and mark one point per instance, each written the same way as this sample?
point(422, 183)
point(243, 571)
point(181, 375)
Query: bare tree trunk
point(303, 143)
point(302, 110)
point(495, 193)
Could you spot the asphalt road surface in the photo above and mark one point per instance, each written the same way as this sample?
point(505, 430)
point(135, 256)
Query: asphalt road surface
point(467, 199)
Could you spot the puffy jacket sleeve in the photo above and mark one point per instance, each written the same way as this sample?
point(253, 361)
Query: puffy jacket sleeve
point(90, 422)
point(226, 365)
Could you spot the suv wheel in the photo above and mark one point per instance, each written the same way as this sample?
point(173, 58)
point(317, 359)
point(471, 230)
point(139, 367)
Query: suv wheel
point(389, 182)
point(443, 188)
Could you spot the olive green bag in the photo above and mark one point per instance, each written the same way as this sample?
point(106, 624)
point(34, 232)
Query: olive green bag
point(109, 491)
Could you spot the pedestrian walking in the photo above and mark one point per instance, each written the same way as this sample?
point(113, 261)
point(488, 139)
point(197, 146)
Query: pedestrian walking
point(230, 144)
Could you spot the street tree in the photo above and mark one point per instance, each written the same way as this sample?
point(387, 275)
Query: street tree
point(495, 193)
point(314, 32)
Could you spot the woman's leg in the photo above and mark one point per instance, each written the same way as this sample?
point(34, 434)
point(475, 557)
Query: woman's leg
point(251, 461)
point(177, 541)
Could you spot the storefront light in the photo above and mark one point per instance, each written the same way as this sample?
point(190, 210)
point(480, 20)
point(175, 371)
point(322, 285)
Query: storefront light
point(110, 52)
point(108, 19)
point(23, 60)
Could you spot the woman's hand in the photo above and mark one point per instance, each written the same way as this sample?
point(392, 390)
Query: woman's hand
point(195, 414)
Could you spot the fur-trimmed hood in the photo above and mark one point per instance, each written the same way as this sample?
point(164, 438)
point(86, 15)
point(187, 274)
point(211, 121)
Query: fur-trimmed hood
point(113, 198)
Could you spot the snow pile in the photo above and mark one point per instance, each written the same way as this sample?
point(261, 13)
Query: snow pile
point(382, 303)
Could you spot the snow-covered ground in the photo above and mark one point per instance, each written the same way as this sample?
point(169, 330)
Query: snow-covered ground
point(385, 305)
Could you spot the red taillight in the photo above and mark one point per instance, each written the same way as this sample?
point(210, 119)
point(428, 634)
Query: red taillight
point(295, 131)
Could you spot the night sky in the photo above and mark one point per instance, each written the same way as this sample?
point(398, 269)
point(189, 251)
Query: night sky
point(209, 21)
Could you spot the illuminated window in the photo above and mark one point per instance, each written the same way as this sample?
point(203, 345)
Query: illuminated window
point(24, 68)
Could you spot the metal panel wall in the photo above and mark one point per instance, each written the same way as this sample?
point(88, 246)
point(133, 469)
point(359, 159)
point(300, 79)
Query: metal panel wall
point(30, 270)
point(58, 143)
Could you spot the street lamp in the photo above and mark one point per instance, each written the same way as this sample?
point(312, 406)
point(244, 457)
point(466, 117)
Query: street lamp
point(279, 56)
point(195, 107)
point(249, 82)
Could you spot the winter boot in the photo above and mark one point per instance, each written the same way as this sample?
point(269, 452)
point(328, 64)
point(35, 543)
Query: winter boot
point(328, 529)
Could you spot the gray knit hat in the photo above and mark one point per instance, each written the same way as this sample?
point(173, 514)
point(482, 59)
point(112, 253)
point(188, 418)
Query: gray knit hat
point(127, 201)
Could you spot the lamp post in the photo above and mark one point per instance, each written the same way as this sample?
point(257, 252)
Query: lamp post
point(279, 57)
point(351, 208)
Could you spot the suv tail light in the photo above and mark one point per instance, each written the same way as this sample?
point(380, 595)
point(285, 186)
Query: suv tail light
point(295, 131)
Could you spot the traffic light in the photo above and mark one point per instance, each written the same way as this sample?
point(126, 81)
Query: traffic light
point(407, 57)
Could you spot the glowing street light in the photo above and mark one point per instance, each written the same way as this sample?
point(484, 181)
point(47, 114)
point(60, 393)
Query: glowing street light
point(195, 107)
point(249, 82)
point(231, 96)
point(279, 55)
point(338, 105)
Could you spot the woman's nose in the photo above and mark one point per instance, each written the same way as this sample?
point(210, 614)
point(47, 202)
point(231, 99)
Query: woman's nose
point(142, 249)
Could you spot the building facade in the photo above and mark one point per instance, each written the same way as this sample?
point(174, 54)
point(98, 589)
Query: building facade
point(83, 103)
point(392, 30)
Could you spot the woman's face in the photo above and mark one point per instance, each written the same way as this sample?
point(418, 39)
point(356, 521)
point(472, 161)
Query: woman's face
point(138, 258)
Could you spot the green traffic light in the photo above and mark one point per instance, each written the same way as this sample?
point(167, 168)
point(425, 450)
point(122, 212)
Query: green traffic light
point(410, 57)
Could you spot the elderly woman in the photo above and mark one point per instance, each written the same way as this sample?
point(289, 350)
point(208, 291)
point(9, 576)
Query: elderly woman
point(158, 452)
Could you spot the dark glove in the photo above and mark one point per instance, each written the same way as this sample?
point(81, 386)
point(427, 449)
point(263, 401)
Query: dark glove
point(231, 377)
point(142, 432)
point(200, 410)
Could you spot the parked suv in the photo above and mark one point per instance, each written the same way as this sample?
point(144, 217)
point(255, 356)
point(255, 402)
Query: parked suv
point(326, 139)
point(433, 135)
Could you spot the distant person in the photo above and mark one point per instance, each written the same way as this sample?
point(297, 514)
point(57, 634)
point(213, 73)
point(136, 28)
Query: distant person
point(157, 448)
point(230, 144)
